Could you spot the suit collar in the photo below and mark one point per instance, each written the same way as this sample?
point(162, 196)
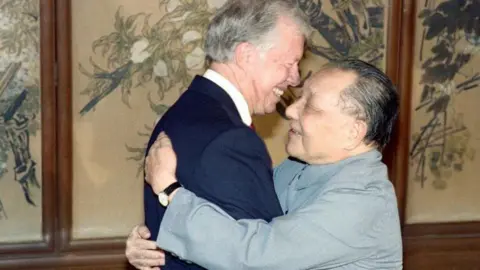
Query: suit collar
point(237, 97)
point(207, 87)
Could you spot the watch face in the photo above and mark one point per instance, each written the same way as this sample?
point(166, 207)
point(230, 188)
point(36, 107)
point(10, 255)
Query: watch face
point(163, 199)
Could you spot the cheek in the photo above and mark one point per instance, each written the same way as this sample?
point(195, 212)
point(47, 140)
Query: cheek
point(307, 130)
point(313, 138)
point(275, 74)
point(295, 147)
point(309, 144)
point(282, 77)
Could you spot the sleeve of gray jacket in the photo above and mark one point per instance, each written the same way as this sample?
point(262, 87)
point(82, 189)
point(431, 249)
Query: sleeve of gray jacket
point(337, 228)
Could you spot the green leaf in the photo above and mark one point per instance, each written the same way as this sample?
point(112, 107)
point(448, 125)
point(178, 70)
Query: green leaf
point(197, 18)
point(187, 2)
point(159, 109)
point(84, 71)
point(125, 100)
point(119, 20)
point(425, 13)
point(179, 11)
point(106, 48)
point(436, 24)
point(135, 149)
point(114, 37)
point(127, 84)
point(146, 26)
point(358, 49)
point(161, 87)
point(99, 42)
point(131, 20)
point(96, 68)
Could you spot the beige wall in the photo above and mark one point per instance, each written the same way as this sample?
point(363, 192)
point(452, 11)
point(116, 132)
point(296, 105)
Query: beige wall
point(447, 194)
point(107, 189)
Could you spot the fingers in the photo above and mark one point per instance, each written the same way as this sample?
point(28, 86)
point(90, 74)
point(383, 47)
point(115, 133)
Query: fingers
point(143, 244)
point(141, 256)
point(143, 232)
point(139, 231)
point(163, 140)
point(141, 252)
point(160, 164)
point(148, 268)
point(148, 262)
point(146, 259)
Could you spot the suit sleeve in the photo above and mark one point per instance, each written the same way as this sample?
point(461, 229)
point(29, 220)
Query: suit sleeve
point(235, 173)
point(318, 236)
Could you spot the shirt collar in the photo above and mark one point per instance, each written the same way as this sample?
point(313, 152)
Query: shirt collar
point(323, 172)
point(237, 97)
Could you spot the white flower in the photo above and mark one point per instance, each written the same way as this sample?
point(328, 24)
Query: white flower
point(195, 59)
point(215, 3)
point(191, 35)
point(138, 53)
point(172, 5)
point(160, 69)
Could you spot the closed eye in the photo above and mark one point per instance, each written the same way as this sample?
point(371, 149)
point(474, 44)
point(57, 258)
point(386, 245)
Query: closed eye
point(312, 108)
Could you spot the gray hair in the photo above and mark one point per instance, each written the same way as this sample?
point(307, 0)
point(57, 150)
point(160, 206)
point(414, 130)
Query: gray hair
point(372, 98)
point(250, 21)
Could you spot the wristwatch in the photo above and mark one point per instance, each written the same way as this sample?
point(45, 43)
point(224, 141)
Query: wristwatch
point(163, 196)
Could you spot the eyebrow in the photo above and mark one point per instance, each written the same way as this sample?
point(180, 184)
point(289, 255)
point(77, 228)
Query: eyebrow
point(310, 103)
point(298, 59)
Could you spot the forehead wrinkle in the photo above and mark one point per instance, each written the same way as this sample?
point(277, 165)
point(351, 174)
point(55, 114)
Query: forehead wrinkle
point(332, 81)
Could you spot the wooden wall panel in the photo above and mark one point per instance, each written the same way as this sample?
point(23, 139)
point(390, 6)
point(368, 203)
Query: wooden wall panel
point(426, 246)
point(48, 141)
point(435, 245)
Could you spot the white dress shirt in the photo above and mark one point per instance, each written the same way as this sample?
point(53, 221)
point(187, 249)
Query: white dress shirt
point(237, 97)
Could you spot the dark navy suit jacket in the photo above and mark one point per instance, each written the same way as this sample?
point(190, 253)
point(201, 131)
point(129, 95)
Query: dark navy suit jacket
point(219, 159)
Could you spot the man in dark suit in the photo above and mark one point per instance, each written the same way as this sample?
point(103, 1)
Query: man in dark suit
point(253, 47)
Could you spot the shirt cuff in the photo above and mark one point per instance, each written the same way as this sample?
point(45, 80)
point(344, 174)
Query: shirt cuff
point(174, 217)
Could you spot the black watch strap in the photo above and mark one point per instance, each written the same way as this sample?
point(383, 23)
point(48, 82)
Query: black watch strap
point(171, 188)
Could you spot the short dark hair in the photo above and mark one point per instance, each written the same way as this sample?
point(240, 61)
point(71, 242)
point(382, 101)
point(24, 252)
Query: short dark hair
point(372, 98)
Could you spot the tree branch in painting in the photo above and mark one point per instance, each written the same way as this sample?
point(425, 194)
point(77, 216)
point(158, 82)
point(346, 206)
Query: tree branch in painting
point(441, 146)
point(19, 93)
point(140, 52)
point(353, 30)
point(358, 31)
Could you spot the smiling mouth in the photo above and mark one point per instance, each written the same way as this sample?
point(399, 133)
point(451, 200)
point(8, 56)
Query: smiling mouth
point(294, 132)
point(278, 92)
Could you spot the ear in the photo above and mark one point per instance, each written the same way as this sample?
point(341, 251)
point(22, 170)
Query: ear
point(243, 54)
point(355, 134)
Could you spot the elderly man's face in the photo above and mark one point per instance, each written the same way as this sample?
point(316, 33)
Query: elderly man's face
point(277, 69)
point(319, 130)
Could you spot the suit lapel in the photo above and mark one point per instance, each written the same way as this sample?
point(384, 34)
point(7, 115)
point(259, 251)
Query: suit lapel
point(211, 89)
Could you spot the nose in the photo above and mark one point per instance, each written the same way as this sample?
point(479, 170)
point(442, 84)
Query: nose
point(294, 76)
point(292, 111)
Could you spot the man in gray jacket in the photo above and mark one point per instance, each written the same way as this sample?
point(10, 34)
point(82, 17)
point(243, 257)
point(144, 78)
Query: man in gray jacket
point(340, 208)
